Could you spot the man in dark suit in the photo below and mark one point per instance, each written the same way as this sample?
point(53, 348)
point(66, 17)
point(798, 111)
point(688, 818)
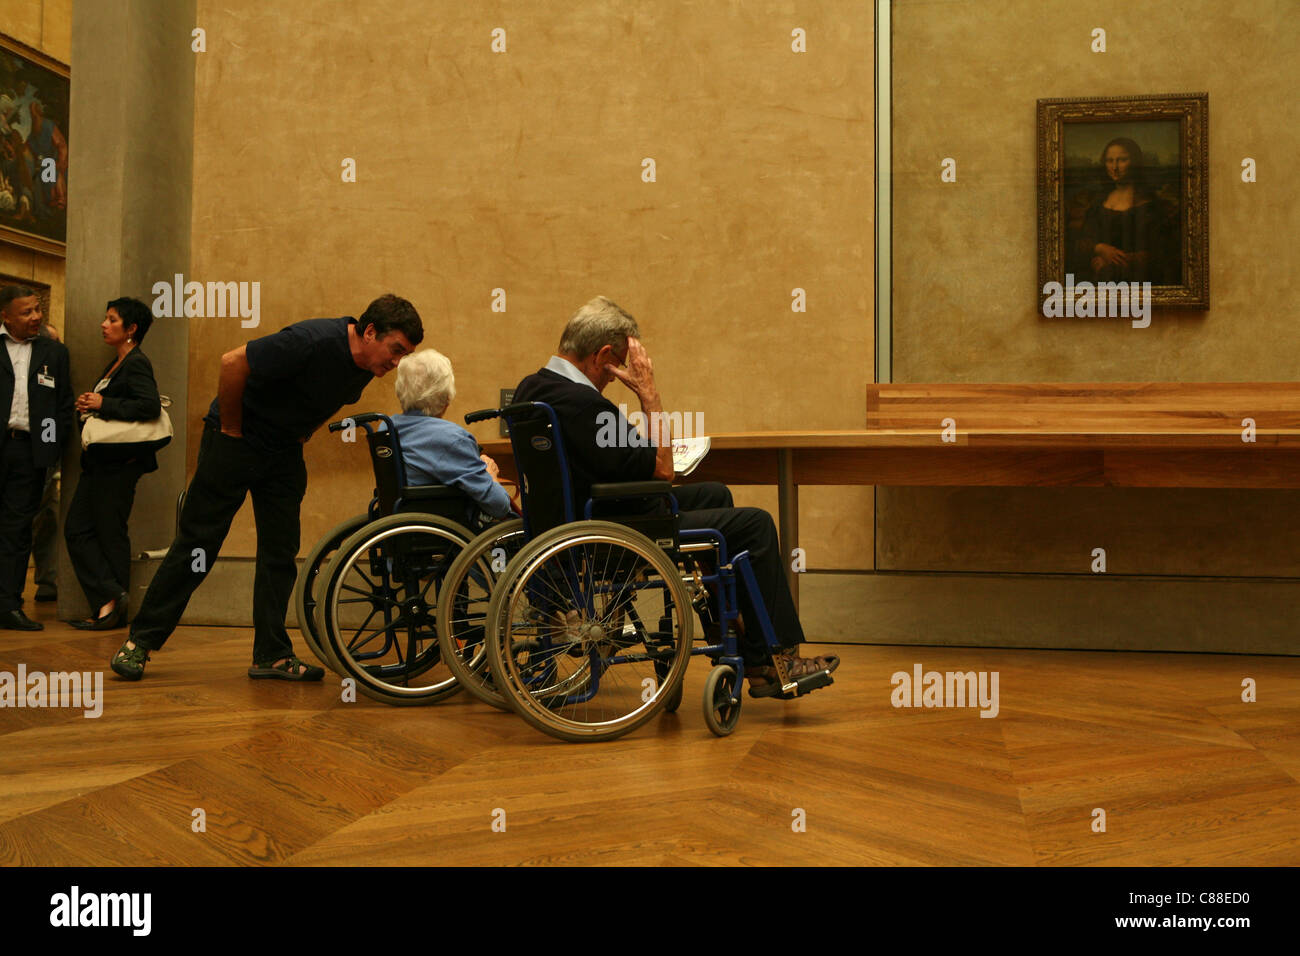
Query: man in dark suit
point(45, 528)
point(36, 399)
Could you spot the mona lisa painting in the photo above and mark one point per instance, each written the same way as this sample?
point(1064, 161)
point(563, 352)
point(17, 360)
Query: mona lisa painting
point(1122, 195)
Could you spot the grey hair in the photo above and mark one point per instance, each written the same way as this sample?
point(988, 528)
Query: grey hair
point(598, 323)
point(425, 383)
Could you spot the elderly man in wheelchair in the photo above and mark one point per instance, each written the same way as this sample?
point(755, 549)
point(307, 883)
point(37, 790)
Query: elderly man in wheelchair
point(600, 586)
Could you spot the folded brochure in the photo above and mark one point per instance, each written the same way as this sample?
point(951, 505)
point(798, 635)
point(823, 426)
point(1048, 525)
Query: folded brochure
point(688, 453)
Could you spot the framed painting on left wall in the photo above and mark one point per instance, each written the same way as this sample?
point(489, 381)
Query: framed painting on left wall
point(34, 97)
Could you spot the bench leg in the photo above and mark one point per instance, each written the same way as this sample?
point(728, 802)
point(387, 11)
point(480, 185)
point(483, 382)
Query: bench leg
point(787, 527)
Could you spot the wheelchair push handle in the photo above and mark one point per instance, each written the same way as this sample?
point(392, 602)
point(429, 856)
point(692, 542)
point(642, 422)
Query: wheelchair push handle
point(484, 414)
point(365, 420)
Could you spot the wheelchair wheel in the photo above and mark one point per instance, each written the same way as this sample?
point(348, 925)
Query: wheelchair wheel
point(721, 700)
point(307, 591)
point(579, 623)
point(462, 610)
point(379, 607)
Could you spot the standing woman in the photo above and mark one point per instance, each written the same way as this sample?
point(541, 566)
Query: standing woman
point(96, 525)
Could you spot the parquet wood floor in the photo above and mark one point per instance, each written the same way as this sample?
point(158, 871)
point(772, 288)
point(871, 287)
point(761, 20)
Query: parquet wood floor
point(1186, 772)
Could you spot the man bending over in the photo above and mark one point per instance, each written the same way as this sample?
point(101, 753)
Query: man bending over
point(273, 393)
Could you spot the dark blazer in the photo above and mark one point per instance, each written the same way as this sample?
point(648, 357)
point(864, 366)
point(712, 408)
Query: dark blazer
point(46, 404)
point(131, 395)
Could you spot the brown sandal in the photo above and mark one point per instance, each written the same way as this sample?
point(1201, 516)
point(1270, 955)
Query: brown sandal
point(763, 681)
point(289, 669)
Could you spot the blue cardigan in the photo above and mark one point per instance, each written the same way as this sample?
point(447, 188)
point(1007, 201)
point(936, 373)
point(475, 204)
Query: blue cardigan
point(438, 452)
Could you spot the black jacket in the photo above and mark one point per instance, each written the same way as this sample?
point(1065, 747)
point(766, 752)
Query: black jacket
point(50, 407)
point(583, 413)
point(131, 395)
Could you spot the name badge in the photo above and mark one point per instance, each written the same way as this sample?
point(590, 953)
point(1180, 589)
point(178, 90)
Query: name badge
point(45, 380)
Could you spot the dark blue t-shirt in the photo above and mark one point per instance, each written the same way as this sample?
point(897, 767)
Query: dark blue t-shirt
point(300, 377)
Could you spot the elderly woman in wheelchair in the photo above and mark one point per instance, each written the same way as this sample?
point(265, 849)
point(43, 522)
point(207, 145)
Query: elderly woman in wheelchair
point(367, 597)
point(438, 452)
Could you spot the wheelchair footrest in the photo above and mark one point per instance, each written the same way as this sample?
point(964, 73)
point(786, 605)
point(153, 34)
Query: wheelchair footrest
point(806, 685)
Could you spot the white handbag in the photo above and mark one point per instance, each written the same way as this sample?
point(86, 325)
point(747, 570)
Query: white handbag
point(156, 432)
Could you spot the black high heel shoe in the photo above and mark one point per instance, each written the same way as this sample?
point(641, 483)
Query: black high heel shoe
point(111, 621)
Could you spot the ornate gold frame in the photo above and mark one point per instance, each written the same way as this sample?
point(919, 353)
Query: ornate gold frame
point(12, 234)
point(1192, 110)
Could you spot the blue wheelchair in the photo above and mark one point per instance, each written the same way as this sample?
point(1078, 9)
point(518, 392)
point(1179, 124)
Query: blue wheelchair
point(586, 627)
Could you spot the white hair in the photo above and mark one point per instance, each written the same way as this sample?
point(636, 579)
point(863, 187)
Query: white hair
point(425, 383)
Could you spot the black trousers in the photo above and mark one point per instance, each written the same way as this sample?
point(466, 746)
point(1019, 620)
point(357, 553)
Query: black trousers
point(45, 533)
point(228, 471)
point(708, 505)
point(21, 486)
point(96, 531)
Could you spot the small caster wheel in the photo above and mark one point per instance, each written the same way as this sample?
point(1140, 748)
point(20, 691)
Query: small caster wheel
point(721, 700)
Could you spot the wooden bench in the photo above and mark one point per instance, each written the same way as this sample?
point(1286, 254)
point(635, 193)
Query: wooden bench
point(1146, 407)
point(1149, 435)
point(1161, 434)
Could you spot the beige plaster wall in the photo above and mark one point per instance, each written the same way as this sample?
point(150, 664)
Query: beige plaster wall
point(45, 25)
point(966, 78)
point(523, 171)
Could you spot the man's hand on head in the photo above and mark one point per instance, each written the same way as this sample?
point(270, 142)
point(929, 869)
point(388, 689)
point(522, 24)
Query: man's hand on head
point(639, 375)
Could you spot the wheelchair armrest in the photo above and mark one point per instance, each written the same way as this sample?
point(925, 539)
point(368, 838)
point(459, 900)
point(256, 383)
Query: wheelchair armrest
point(441, 500)
point(631, 489)
point(661, 527)
point(430, 493)
point(645, 521)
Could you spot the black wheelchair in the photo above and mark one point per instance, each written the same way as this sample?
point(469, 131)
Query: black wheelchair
point(588, 628)
point(367, 596)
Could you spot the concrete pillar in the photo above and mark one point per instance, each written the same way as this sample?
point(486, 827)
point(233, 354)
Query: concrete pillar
point(131, 145)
